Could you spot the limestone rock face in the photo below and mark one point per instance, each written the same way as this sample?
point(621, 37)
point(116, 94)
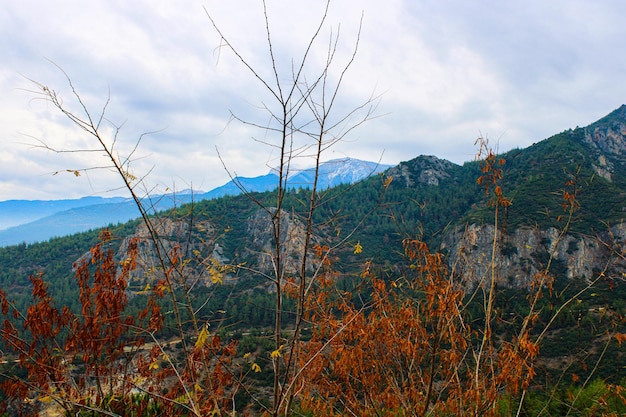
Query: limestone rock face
point(200, 249)
point(606, 140)
point(260, 232)
point(193, 245)
point(522, 254)
point(609, 140)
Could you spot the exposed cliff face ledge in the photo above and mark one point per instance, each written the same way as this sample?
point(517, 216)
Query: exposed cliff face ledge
point(259, 229)
point(194, 242)
point(609, 140)
point(197, 249)
point(607, 145)
point(523, 253)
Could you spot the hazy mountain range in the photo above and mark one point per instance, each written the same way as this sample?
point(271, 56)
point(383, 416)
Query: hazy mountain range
point(39, 220)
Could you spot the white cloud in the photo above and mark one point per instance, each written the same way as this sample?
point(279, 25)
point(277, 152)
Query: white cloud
point(447, 71)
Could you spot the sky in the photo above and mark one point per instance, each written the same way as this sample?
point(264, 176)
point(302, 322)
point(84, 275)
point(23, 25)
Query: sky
point(435, 74)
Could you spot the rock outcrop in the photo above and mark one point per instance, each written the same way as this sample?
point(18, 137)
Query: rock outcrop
point(606, 140)
point(522, 254)
point(423, 170)
point(260, 232)
point(192, 246)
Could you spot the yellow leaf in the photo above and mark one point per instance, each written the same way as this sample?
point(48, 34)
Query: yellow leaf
point(216, 277)
point(358, 248)
point(275, 354)
point(197, 388)
point(216, 271)
point(154, 365)
point(202, 337)
point(130, 177)
point(138, 380)
point(163, 287)
point(247, 355)
point(255, 367)
point(183, 399)
point(145, 290)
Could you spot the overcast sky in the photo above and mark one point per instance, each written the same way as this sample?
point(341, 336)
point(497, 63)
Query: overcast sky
point(446, 72)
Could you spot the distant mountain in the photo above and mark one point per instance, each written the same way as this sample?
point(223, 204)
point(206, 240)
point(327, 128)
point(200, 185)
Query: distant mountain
point(262, 183)
point(39, 220)
point(335, 172)
point(331, 174)
point(17, 212)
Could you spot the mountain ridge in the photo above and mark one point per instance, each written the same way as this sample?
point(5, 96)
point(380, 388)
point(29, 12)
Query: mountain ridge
point(39, 220)
point(532, 175)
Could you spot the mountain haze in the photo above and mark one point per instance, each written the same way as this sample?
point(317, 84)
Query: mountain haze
point(37, 221)
point(16, 212)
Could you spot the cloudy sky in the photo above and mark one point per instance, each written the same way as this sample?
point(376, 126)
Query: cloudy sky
point(444, 71)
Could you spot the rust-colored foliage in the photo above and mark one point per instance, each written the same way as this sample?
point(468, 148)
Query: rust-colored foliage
point(491, 168)
point(100, 358)
point(77, 360)
point(409, 350)
point(206, 385)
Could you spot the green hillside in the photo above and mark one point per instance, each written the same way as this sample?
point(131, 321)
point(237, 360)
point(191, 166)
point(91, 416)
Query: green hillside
point(366, 223)
point(378, 218)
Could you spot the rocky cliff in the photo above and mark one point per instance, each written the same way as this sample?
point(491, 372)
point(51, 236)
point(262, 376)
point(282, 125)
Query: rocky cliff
point(198, 249)
point(260, 232)
point(606, 140)
point(525, 252)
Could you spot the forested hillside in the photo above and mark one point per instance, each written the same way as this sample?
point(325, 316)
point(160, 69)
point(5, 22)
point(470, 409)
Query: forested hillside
point(572, 182)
